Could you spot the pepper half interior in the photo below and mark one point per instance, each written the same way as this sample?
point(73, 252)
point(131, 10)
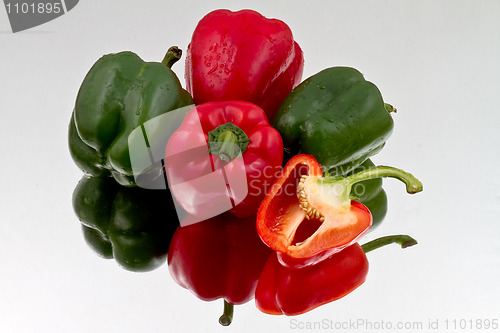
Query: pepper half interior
point(312, 216)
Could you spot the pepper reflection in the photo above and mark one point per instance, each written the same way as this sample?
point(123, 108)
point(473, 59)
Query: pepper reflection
point(295, 289)
point(292, 286)
point(132, 225)
point(221, 257)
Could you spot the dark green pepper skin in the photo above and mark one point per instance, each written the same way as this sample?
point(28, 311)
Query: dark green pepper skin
point(120, 93)
point(371, 194)
point(132, 225)
point(336, 116)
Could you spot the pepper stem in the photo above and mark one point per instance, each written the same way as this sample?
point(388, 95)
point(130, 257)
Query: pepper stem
point(341, 187)
point(413, 185)
point(172, 56)
point(229, 149)
point(389, 108)
point(227, 317)
point(227, 141)
point(403, 240)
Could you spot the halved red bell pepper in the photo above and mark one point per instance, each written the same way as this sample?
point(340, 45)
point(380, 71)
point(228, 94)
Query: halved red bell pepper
point(218, 258)
point(223, 157)
point(293, 290)
point(243, 56)
point(305, 213)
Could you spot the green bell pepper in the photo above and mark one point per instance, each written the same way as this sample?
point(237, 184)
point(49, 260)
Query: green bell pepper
point(336, 116)
point(120, 93)
point(371, 194)
point(132, 225)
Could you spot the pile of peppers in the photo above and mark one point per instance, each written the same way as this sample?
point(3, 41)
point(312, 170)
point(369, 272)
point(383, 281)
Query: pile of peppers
point(273, 174)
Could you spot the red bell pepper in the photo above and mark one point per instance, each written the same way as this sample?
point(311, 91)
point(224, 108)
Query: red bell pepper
point(289, 290)
point(224, 156)
point(218, 258)
point(243, 56)
point(334, 220)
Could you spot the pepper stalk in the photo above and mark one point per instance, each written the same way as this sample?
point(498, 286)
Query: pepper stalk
point(228, 141)
point(320, 194)
point(172, 56)
point(227, 316)
point(403, 240)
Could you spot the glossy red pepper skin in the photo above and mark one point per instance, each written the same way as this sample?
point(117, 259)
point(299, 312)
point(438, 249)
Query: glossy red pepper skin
point(292, 291)
point(260, 161)
point(218, 258)
point(282, 224)
point(243, 56)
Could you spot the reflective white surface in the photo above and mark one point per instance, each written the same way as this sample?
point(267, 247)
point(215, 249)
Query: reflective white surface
point(437, 62)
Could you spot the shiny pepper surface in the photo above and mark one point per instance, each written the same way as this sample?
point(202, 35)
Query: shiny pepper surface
point(288, 290)
point(336, 116)
point(224, 156)
point(221, 257)
point(132, 225)
point(243, 56)
point(120, 93)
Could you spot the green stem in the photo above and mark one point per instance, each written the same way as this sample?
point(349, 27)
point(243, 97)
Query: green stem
point(341, 186)
point(227, 317)
point(389, 108)
point(227, 141)
point(403, 240)
point(229, 148)
point(413, 185)
point(172, 56)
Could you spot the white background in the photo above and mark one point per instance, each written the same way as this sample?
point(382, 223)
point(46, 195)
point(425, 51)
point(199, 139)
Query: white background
point(438, 62)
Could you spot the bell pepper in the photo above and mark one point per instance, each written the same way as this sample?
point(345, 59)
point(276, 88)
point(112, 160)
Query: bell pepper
point(291, 290)
point(336, 116)
point(132, 225)
point(243, 56)
point(334, 220)
point(120, 93)
point(218, 258)
point(234, 144)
